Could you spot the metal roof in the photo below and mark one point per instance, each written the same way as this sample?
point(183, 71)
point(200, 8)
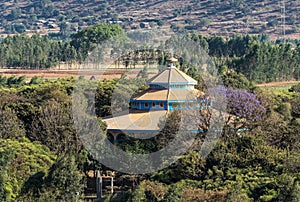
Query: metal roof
point(153, 95)
point(169, 94)
point(172, 75)
point(138, 121)
point(149, 121)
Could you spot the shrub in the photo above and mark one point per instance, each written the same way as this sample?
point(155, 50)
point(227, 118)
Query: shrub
point(26, 160)
point(295, 88)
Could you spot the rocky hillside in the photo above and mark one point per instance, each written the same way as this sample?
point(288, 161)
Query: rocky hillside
point(218, 17)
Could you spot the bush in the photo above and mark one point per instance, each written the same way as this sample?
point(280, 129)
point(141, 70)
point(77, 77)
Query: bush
point(295, 88)
point(296, 107)
point(26, 160)
point(285, 110)
point(63, 181)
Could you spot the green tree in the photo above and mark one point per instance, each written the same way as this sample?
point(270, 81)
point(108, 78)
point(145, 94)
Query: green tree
point(64, 30)
point(64, 180)
point(53, 126)
point(23, 159)
point(5, 157)
point(10, 125)
point(85, 40)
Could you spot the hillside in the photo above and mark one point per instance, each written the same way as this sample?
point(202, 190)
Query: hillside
point(208, 17)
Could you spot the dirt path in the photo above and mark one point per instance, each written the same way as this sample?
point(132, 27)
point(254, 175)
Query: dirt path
point(274, 84)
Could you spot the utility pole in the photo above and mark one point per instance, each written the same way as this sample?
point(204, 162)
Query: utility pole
point(247, 21)
point(99, 185)
point(283, 19)
point(112, 185)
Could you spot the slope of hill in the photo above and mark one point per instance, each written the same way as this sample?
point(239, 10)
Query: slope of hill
point(208, 17)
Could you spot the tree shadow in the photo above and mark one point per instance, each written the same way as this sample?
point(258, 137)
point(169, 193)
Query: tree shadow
point(33, 185)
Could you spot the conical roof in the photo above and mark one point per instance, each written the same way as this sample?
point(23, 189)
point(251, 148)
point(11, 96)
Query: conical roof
point(172, 75)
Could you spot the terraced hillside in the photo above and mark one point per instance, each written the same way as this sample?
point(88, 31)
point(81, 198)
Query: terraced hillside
point(208, 17)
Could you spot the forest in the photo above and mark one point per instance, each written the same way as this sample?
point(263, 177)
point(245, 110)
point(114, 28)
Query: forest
point(38, 135)
point(43, 159)
point(257, 57)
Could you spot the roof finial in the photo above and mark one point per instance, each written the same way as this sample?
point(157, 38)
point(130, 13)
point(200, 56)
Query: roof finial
point(172, 60)
point(172, 52)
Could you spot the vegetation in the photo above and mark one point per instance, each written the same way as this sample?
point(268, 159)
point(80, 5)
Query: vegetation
point(20, 160)
point(42, 157)
point(295, 88)
point(261, 164)
point(256, 57)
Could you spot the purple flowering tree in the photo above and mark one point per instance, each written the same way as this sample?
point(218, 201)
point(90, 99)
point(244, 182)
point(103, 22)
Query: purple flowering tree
point(242, 110)
point(244, 104)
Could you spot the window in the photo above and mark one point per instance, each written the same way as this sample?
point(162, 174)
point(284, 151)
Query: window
point(153, 104)
point(175, 105)
point(162, 105)
point(146, 105)
point(191, 105)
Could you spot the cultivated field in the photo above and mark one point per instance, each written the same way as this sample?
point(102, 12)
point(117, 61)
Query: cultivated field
point(88, 74)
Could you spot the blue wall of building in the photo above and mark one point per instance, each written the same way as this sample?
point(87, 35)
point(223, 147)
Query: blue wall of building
point(171, 105)
point(149, 105)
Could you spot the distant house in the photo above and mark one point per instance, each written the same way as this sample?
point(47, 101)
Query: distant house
point(145, 25)
point(51, 20)
point(52, 25)
point(115, 22)
point(38, 24)
point(42, 21)
point(134, 26)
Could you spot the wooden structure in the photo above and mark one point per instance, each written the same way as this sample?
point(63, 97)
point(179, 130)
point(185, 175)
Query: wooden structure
point(99, 183)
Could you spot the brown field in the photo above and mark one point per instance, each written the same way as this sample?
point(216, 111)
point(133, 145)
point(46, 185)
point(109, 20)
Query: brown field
point(99, 75)
point(54, 74)
point(62, 73)
point(276, 84)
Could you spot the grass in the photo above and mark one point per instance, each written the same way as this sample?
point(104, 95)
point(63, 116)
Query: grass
point(282, 90)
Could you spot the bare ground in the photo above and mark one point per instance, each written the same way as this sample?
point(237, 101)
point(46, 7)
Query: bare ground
point(53, 74)
point(274, 84)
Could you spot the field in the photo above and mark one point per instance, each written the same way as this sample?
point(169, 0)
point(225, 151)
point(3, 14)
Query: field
point(282, 84)
point(279, 88)
point(54, 74)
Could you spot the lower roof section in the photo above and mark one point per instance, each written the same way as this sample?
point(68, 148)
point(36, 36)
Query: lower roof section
point(146, 121)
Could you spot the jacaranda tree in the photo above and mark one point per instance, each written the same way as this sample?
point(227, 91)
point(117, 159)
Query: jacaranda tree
point(243, 110)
